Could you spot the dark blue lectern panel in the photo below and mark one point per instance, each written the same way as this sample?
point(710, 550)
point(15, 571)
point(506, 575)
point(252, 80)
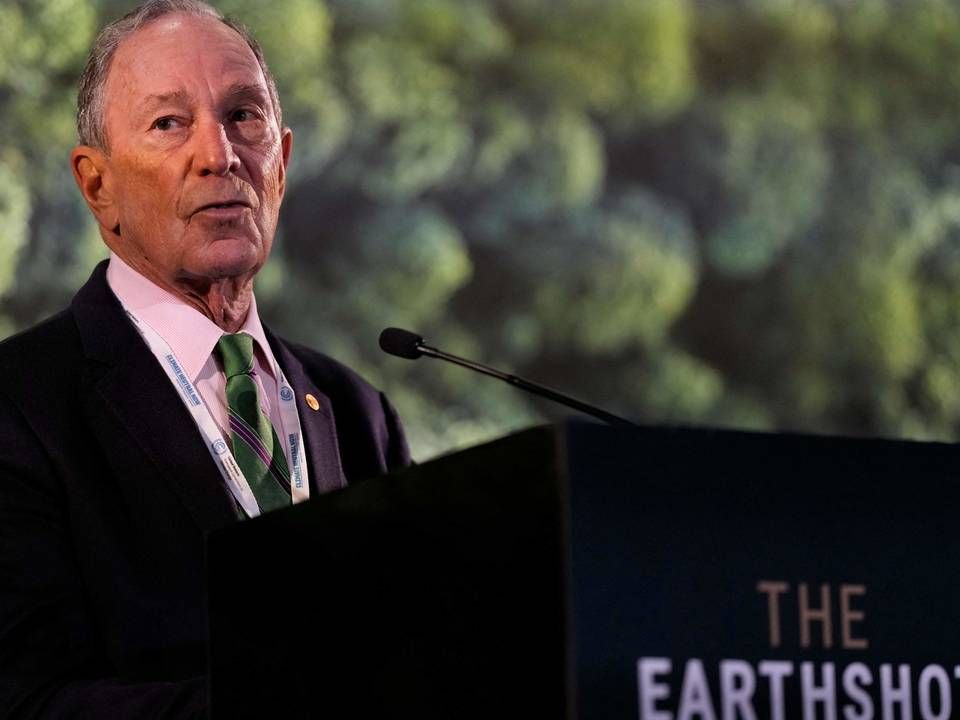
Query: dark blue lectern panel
point(732, 575)
point(585, 573)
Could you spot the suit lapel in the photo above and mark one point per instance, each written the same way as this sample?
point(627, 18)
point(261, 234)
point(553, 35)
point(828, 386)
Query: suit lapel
point(319, 429)
point(127, 384)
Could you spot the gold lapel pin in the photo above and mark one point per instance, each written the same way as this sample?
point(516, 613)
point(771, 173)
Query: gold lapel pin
point(312, 402)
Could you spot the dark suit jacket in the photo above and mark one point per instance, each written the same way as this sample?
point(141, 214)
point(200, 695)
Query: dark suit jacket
point(106, 493)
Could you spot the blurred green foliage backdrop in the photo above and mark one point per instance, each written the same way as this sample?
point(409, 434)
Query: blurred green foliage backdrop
point(736, 213)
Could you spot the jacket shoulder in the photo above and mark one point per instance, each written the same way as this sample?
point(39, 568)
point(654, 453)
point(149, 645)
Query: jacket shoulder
point(42, 351)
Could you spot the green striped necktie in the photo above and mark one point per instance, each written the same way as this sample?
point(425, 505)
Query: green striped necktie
point(256, 447)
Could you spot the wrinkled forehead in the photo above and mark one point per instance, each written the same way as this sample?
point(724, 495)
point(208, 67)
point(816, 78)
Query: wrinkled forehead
point(179, 53)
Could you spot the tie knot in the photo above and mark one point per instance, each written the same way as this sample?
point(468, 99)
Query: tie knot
point(236, 353)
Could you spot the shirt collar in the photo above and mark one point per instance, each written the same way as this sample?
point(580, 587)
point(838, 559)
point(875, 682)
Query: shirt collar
point(191, 335)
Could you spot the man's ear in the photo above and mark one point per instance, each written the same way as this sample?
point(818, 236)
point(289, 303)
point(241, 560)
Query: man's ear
point(91, 173)
point(286, 146)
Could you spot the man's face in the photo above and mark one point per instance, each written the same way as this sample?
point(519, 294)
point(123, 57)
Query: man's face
point(196, 159)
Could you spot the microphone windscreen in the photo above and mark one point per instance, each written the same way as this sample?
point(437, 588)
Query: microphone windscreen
point(401, 343)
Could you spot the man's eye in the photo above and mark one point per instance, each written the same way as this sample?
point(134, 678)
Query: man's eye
point(243, 115)
point(164, 123)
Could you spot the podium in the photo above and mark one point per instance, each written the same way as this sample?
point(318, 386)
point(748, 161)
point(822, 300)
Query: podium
point(586, 572)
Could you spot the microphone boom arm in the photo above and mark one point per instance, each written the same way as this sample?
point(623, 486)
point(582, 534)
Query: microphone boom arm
point(527, 385)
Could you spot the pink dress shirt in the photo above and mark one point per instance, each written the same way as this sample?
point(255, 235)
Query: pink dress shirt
point(193, 336)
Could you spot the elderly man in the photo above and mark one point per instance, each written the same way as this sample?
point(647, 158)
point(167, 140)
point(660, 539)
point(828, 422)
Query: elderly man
point(157, 407)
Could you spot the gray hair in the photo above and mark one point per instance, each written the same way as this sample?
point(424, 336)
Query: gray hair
point(91, 128)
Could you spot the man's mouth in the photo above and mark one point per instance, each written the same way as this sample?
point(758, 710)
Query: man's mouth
point(225, 209)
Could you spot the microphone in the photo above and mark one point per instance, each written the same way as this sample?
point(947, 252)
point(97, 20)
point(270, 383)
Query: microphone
point(409, 345)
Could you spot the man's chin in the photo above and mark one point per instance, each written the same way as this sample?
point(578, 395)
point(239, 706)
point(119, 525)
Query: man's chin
point(229, 258)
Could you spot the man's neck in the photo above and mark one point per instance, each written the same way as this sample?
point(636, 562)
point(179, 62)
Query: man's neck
point(225, 301)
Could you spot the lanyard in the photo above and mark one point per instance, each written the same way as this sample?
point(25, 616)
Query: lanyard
point(217, 446)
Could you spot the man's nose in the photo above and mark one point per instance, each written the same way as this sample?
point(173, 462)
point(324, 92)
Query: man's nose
point(214, 154)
